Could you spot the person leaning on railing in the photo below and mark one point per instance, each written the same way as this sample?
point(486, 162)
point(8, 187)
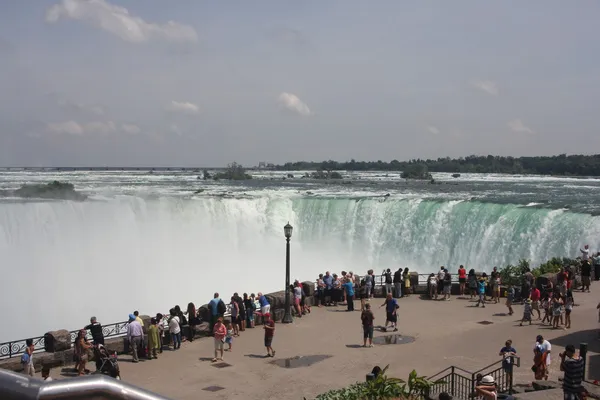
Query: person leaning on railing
point(95, 328)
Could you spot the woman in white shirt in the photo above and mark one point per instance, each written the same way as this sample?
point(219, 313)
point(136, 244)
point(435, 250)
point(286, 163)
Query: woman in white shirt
point(175, 329)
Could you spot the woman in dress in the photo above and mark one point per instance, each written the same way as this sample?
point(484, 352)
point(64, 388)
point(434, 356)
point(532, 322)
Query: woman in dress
point(406, 277)
point(81, 352)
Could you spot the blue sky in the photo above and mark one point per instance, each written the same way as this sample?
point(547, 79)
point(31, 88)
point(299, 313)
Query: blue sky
point(132, 82)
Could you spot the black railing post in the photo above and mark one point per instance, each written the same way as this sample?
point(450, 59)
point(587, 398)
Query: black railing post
point(472, 385)
point(452, 383)
point(583, 348)
point(9, 349)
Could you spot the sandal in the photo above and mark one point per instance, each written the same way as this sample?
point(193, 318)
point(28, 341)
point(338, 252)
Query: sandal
point(214, 360)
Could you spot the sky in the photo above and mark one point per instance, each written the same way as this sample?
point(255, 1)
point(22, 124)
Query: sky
point(204, 83)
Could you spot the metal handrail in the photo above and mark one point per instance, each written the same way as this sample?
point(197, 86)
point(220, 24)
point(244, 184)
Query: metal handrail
point(15, 386)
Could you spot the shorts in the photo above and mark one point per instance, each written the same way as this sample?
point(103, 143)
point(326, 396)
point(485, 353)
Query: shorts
point(296, 301)
point(268, 341)
point(218, 344)
point(368, 332)
point(508, 303)
point(586, 281)
point(266, 309)
point(535, 305)
point(392, 317)
point(447, 289)
point(229, 340)
point(568, 311)
point(462, 280)
point(508, 368)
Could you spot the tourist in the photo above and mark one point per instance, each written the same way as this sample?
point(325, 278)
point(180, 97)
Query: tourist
point(557, 309)
point(234, 310)
point(573, 366)
point(363, 294)
point(481, 292)
point(508, 353)
point(370, 280)
point(367, 319)
point(81, 347)
point(297, 290)
point(215, 307)
point(539, 363)
point(192, 321)
point(462, 280)
point(219, 333)
point(391, 306)
point(473, 285)
point(561, 281)
point(342, 278)
point(135, 334)
point(398, 283)
point(137, 318)
point(265, 307)
point(336, 291)
point(387, 276)
point(174, 329)
point(183, 323)
point(535, 296)
point(585, 252)
point(527, 309)
point(486, 388)
point(440, 278)
point(95, 329)
point(349, 289)
point(447, 285)
point(320, 291)
point(27, 358)
point(546, 349)
point(269, 327)
point(154, 342)
point(586, 276)
point(510, 298)
point(493, 276)
point(496, 289)
point(250, 308)
point(230, 334)
point(241, 321)
point(406, 277)
point(46, 374)
point(569, 301)
point(328, 281)
point(432, 283)
point(161, 330)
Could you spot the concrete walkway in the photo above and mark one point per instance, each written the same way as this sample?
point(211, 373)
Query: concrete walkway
point(446, 333)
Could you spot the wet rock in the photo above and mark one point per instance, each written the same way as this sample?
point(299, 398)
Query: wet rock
point(204, 313)
point(55, 341)
point(277, 299)
point(545, 385)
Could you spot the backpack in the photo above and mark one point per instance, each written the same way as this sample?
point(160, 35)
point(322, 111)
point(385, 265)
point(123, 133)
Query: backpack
point(25, 358)
point(221, 308)
point(388, 278)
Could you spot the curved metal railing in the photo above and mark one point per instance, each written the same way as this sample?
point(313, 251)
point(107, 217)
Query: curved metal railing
point(14, 386)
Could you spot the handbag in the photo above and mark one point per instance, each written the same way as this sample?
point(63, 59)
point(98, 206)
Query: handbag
point(25, 358)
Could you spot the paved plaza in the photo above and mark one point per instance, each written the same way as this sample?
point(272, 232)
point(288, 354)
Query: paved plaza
point(445, 332)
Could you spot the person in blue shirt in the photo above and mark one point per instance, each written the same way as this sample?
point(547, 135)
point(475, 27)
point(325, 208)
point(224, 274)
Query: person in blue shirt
point(265, 307)
point(328, 281)
point(349, 287)
point(391, 306)
point(213, 306)
point(507, 353)
point(481, 290)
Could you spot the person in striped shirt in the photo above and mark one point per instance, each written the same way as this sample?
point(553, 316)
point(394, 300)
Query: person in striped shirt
point(572, 365)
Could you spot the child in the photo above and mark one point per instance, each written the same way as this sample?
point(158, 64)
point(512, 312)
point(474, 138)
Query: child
point(496, 290)
point(229, 336)
point(568, 308)
point(510, 297)
point(526, 312)
point(557, 305)
point(269, 328)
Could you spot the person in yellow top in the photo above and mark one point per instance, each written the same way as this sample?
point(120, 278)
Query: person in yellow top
point(153, 339)
point(137, 318)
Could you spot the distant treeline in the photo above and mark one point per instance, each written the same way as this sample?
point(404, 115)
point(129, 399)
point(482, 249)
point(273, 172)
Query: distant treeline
point(576, 165)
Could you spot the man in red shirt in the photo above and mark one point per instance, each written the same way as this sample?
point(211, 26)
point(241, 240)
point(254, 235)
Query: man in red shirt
point(269, 328)
point(535, 300)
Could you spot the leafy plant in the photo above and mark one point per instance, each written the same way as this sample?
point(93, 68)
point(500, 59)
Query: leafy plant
point(382, 388)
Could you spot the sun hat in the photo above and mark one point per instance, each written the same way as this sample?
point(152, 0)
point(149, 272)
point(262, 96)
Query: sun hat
point(488, 380)
point(131, 317)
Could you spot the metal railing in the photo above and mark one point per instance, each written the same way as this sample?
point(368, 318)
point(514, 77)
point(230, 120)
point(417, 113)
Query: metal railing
point(17, 347)
point(461, 383)
point(15, 386)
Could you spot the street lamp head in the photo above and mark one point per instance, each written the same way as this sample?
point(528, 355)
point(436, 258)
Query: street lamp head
point(287, 230)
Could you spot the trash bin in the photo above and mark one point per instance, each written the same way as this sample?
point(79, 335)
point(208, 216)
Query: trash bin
point(597, 272)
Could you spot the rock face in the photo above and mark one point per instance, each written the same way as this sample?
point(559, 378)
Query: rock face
point(204, 313)
point(277, 299)
point(57, 341)
point(146, 321)
point(202, 329)
point(309, 288)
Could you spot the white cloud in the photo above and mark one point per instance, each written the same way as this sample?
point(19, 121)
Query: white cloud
point(183, 107)
point(92, 109)
point(489, 87)
point(67, 127)
point(518, 126)
point(132, 129)
point(118, 21)
point(433, 129)
point(293, 103)
point(98, 127)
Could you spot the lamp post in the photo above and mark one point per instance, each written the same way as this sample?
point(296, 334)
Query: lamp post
point(287, 317)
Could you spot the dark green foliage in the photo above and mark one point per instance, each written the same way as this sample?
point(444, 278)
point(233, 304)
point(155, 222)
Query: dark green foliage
point(52, 190)
point(234, 172)
point(417, 171)
point(382, 388)
point(513, 274)
point(575, 165)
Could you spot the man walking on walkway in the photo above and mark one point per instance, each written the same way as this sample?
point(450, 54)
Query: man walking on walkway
point(398, 283)
point(134, 335)
point(572, 365)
